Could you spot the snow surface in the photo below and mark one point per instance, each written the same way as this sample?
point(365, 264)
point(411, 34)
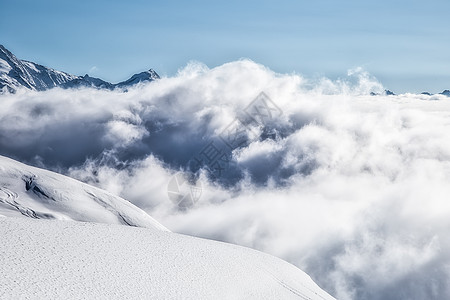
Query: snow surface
point(4, 66)
point(40, 194)
point(49, 259)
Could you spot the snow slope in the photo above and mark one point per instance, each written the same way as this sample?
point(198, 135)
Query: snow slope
point(43, 259)
point(40, 194)
point(53, 258)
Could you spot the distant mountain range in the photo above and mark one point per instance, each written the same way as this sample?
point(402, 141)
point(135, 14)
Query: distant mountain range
point(16, 73)
point(390, 93)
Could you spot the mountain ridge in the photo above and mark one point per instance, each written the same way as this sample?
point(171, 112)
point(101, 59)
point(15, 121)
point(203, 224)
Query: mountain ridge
point(16, 73)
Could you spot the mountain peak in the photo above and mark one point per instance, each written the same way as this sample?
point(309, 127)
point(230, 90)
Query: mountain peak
point(16, 73)
point(385, 93)
point(149, 75)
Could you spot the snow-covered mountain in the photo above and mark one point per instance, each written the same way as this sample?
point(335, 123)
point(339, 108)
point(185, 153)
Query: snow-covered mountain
point(16, 73)
point(149, 75)
point(57, 258)
point(40, 194)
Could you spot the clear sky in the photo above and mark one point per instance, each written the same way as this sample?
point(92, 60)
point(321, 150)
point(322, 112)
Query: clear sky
point(404, 43)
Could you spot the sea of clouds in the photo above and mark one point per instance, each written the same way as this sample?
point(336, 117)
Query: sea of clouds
point(352, 188)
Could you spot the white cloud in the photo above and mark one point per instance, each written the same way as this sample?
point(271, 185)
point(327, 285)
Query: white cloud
point(93, 70)
point(350, 187)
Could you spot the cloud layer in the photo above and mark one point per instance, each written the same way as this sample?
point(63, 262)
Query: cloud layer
point(351, 188)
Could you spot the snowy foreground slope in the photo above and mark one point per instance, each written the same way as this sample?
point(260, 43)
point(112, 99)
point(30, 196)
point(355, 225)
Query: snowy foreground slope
point(40, 194)
point(50, 259)
point(46, 255)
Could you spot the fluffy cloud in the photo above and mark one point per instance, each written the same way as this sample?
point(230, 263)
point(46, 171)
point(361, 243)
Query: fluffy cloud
point(352, 188)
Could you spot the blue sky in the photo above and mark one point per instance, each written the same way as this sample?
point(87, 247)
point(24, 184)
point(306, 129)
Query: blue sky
point(405, 44)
